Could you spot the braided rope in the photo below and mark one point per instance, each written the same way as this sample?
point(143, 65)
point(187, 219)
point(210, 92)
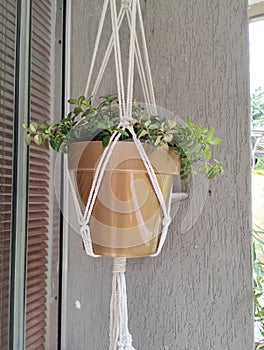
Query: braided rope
point(146, 56)
point(140, 65)
point(96, 46)
point(120, 338)
point(131, 62)
point(107, 54)
point(118, 61)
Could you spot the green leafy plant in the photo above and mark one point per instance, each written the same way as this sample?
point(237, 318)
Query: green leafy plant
point(258, 267)
point(257, 107)
point(87, 122)
point(260, 164)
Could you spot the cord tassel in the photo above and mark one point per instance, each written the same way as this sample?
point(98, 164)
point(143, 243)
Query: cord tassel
point(120, 338)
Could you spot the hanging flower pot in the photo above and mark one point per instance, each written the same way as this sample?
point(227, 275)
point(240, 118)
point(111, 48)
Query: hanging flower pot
point(126, 218)
point(128, 214)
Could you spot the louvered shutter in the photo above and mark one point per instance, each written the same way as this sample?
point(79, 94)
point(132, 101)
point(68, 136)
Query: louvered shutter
point(7, 78)
point(40, 217)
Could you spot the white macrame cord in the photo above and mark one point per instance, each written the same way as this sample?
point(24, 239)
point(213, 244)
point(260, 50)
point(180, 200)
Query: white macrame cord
point(120, 338)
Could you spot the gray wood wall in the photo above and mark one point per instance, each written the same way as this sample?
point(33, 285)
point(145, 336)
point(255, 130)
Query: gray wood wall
point(197, 294)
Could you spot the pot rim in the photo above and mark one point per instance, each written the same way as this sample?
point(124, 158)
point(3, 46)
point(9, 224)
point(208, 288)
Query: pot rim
point(125, 158)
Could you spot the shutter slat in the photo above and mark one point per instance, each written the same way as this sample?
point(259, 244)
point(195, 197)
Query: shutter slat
point(37, 247)
point(41, 24)
point(40, 96)
point(40, 8)
point(7, 108)
point(37, 207)
point(39, 214)
point(40, 168)
point(40, 82)
point(36, 290)
point(35, 332)
point(36, 237)
point(32, 314)
point(34, 297)
point(7, 73)
point(33, 273)
point(37, 199)
point(34, 306)
point(34, 280)
point(37, 223)
point(7, 62)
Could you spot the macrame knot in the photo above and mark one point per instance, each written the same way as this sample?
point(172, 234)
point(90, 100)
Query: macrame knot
point(166, 221)
point(125, 120)
point(125, 343)
point(84, 229)
point(124, 123)
point(119, 265)
point(126, 4)
point(85, 233)
point(122, 346)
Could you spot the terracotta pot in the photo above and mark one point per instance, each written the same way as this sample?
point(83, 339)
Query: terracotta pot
point(126, 219)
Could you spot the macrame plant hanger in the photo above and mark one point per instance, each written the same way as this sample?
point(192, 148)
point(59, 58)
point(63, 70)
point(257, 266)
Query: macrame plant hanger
point(120, 338)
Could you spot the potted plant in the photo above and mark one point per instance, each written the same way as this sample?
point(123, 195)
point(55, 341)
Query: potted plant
point(173, 149)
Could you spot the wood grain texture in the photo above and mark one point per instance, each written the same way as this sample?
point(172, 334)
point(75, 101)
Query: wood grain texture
point(197, 294)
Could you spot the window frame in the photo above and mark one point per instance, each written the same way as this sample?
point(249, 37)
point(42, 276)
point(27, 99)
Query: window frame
point(18, 249)
point(256, 11)
point(20, 169)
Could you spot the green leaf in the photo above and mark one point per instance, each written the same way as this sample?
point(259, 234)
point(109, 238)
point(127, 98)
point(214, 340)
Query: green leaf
point(188, 121)
point(209, 136)
point(54, 144)
point(158, 139)
point(147, 123)
point(204, 168)
point(88, 112)
point(143, 133)
point(25, 126)
point(49, 130)
point(153, 127)
point(38, 139)
point(81, 99)
point(168, 138)
point(46, 143)
point(43, 122)
point(210, 173)
point(102, 104)
point(28, 139)
point(215, 141)
point(71, 101)
point(77, 110)
point(105, 141)
point(33, 127)
point(101, 125)
point(197, 131)
point(207, 153)
point(122, 132)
